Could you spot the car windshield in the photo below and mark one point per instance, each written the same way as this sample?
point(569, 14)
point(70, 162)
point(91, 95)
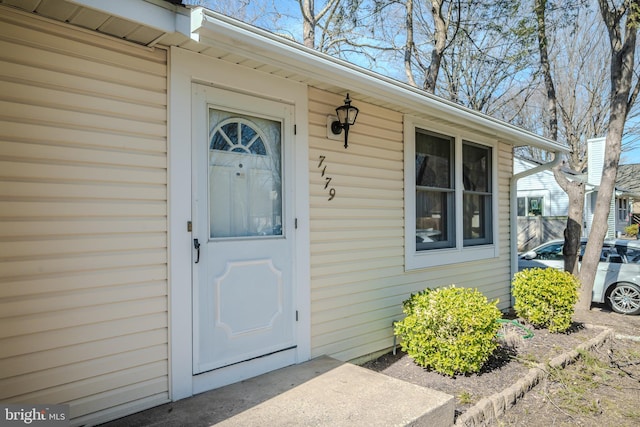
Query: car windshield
point(550, 252)
point(613, 253)
point(628, 254)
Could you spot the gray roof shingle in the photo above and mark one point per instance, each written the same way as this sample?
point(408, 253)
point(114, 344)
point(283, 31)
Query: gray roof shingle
point(628, 178)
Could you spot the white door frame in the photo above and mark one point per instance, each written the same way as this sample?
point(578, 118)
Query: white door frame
point(186, 68)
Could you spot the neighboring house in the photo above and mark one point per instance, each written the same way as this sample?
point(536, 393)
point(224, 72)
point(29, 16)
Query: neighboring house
point(542, 201)
point(177, 213)
point(628, 180)
point(619, 214)
point(539, 194)
point(542, 205)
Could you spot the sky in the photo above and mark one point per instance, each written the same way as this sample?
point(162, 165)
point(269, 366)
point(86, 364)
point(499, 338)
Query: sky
point(629, 157)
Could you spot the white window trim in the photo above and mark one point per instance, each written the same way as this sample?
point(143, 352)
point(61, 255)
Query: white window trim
point(546, 197)
point(458, 254)
point(623, 212)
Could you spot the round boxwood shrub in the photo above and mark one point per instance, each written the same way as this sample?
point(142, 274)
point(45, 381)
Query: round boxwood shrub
point(451, 330)
point(632, 230)
point(546, 297)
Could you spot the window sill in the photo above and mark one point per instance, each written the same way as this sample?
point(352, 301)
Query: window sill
point(449, 256)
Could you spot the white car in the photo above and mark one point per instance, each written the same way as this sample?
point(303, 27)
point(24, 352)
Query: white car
point(617, 281)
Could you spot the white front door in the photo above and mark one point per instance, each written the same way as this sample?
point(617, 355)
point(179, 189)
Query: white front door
point(243, 293)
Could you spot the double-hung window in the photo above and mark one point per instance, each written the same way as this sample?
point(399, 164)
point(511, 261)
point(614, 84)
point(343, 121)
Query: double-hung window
point(623, 210)
point(477, 216)
point(435, 191)
point(449, 196)
point(531, 205)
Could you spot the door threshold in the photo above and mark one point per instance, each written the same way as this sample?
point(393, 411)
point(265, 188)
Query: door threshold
point(247, 360)
point(240, 371)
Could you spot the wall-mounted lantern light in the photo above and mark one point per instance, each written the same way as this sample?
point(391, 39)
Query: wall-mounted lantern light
point(346, 117)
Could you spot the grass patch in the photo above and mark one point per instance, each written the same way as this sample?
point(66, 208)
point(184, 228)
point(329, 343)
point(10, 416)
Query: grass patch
point(465, 398)
point(633, 414)
point(577, 383)
point(528, 360)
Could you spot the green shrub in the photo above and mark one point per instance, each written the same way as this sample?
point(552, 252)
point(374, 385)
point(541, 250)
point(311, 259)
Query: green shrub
point(631, 230)
point(546, 297)
point(452, 330)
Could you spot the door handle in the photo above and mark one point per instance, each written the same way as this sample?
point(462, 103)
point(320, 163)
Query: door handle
point(196, 245)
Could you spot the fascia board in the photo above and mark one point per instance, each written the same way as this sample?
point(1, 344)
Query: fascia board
point(140, 11)
point(235, 36)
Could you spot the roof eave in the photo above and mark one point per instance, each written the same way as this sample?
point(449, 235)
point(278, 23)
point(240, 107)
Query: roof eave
point(217, 30)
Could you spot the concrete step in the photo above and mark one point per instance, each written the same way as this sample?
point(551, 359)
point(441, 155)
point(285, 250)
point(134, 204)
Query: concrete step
point(321, 392)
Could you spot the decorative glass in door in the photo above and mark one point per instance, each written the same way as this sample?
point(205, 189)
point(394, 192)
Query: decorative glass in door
point(245, 185)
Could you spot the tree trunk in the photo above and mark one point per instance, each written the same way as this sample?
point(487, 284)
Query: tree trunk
point(573, 232)
point(574, 189)
point(545, 68)
point(600, 225)
point(622, 98)
point(308, 23)
point(440, 35)
point(408, 47)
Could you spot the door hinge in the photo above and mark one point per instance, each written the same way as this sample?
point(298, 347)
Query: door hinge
point(296, 315)
point(295, 129)
point(189, 226)
point(295, 223)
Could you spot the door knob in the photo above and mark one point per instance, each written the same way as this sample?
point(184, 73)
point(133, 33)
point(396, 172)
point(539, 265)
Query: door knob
point(196, 245)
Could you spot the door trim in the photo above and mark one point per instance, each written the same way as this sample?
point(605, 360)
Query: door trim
point(187, 68)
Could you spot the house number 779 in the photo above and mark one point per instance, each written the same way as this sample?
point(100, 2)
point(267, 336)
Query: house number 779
point(332, 191)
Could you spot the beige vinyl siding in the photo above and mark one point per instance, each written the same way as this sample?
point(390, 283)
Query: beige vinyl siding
point(355, 242)
point(501, 267)
point(83, 220)
point(358, 279)
point(505, 172)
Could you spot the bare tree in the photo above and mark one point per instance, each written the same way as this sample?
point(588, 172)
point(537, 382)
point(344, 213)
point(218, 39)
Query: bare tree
point(468, 51)
point(540, 7)
point(621, 20)
point(441, 20)
point(485, 64)
point(328, 30)
point(311, 19)
point(410, 45)
point(583, 114)
point(427, 28)
point(574, 189)
point(578, 109)
point(261, 13)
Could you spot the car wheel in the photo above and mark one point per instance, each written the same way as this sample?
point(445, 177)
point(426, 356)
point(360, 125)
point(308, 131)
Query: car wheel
point(625, 298)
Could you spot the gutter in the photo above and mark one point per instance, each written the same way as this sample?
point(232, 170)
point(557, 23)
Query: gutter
point(513, 195)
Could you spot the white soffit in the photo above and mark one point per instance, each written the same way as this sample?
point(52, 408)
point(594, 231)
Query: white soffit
point(141, 22)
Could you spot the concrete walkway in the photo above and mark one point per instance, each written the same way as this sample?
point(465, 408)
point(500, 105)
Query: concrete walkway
point(321, 392)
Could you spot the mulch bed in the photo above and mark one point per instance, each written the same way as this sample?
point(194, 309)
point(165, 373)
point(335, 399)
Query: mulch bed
point(510, 363)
